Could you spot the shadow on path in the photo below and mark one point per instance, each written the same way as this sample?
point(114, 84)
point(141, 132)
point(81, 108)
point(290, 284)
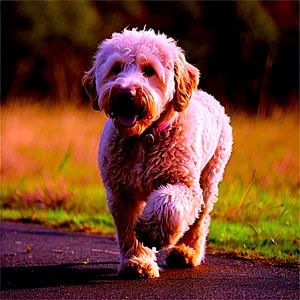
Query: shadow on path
point(46, 276)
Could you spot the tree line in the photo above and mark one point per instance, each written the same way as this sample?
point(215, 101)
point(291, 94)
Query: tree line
point(247, 51)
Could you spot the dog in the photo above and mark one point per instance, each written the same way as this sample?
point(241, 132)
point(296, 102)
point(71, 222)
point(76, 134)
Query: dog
point(163, 149)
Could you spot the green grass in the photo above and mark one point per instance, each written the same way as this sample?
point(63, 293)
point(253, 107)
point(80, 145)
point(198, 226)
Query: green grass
point(61, 219)
point(264, 239)
point(49, 176)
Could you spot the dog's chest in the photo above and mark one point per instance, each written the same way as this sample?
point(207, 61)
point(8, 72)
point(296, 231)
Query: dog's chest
point(126, 165)
point(139, 168)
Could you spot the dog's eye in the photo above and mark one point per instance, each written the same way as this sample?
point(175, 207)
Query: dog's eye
point(149, 71)
point(117, 68)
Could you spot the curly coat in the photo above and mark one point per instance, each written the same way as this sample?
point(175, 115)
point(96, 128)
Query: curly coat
point(160, 168)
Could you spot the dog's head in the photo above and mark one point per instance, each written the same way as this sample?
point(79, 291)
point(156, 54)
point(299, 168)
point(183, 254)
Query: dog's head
point(138, 75)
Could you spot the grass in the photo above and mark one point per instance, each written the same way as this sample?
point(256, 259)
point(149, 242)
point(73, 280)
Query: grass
point(61, 219)
point(49, 176)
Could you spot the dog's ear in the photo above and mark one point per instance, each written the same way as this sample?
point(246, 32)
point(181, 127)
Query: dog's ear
point(88, 81)
point(186, 81)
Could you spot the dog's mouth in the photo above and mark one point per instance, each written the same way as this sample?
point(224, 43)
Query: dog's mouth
point(128, 117)
point(128, 120)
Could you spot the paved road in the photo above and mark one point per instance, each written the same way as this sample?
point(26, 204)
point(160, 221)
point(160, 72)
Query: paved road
point(63, 265)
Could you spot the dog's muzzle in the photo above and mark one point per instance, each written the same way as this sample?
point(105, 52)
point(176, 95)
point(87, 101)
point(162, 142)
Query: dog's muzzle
point(126, 109)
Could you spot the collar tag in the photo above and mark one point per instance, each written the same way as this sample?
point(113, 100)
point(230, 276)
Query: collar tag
point(149, 138)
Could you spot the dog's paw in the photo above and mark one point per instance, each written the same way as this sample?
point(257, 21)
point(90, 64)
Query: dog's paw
point(136, 269)
point(182, 256)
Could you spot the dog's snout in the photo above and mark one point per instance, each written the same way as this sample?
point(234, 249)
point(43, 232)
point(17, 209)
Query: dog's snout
point(126, 95)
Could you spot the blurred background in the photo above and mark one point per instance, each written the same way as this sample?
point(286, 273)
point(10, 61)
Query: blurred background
point(247, 51)
point(248, 56)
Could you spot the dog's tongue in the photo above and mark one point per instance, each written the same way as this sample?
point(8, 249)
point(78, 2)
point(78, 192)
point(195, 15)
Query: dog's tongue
point(127, 120)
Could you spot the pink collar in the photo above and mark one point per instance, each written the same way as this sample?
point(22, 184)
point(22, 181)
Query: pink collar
point(166, 123)
point(151, 132)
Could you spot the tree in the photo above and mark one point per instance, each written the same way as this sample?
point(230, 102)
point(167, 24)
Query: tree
point(58, 33)
point(261, 28)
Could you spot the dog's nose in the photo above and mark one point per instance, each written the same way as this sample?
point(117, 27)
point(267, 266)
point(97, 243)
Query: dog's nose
point(126, 95)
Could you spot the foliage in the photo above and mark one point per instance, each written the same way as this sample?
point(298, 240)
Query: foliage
point(260, 25)
point(74, 20)
point(242, 48)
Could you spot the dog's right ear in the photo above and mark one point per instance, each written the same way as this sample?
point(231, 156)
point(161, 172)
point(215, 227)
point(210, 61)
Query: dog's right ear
point(88, 81)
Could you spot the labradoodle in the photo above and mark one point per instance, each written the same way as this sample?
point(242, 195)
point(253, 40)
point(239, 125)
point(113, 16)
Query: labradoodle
point(163, 149)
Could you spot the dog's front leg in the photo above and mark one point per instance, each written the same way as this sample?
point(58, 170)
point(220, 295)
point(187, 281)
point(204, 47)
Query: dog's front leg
point(136, 261)
point(169, 212)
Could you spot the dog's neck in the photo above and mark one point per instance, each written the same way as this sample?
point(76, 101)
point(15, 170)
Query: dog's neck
point(166, 118)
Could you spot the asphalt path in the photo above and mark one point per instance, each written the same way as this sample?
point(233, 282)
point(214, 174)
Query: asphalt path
point(41, 263)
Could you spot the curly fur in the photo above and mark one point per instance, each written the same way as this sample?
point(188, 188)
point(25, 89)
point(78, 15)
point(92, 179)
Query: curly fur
point(160, 193)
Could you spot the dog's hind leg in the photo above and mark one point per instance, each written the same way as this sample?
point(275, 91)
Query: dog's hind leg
point(190, 249)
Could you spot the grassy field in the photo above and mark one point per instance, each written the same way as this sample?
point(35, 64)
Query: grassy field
point(49, 175)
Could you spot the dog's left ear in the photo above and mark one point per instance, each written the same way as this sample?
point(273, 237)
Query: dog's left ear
point(88, 81)
point(186, 81)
